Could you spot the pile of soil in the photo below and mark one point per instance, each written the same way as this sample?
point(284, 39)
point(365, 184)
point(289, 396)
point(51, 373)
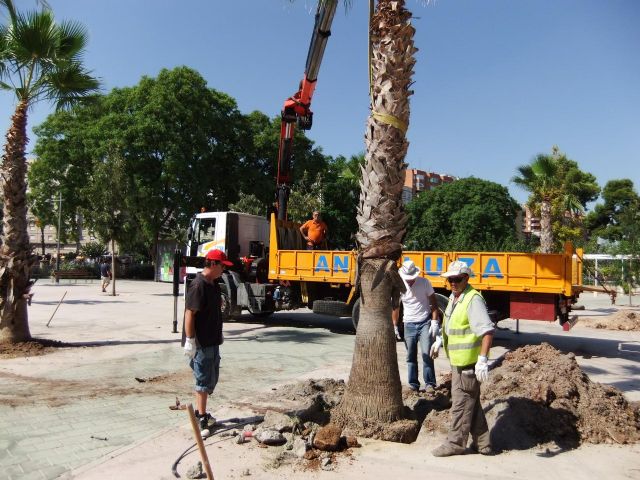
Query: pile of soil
point(538, 395)
point(627, 320)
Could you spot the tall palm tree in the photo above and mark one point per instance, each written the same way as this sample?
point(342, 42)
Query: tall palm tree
point(540, 179)
point(373, 397)
point(39, 60)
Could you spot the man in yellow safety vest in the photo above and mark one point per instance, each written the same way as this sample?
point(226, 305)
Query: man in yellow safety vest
point(467, 332)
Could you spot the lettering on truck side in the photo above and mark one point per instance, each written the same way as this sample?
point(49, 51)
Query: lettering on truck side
point(491, 269)
point(340, 264)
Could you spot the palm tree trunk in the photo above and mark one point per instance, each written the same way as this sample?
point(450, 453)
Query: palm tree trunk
point(546, 234)
point(16, 257)
point(373, 396)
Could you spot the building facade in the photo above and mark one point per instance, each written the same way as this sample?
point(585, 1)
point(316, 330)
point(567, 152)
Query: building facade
point(416, 181)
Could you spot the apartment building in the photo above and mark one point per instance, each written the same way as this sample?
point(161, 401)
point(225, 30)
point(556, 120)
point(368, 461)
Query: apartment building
point(416, 181)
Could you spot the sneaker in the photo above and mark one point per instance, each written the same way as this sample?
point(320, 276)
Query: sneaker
point(206, 422)
point(430, 389)
point(414, 388)
point(447, 450)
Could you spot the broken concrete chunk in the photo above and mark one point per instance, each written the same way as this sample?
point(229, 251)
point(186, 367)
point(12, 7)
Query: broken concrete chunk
point(277, 421)
point(269, 437)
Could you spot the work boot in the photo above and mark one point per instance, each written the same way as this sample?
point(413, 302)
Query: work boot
point(487, 450)
point(447, 450)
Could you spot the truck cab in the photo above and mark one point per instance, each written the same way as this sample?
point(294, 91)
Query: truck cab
point(244, 239)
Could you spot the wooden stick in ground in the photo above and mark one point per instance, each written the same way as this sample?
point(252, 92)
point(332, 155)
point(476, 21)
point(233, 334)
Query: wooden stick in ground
point(54, 312)
point(196, 433)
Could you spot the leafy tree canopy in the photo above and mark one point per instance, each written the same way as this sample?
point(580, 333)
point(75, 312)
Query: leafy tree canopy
point(466, 215)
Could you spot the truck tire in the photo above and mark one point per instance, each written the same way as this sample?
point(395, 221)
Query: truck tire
point(331, 307)
point(225, 306)
point(442, 304)
point(355, 314)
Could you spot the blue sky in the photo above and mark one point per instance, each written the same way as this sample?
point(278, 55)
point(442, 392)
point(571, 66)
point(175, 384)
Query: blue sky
point(496, 81)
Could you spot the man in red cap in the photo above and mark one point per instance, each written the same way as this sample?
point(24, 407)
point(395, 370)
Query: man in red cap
point(203, 332)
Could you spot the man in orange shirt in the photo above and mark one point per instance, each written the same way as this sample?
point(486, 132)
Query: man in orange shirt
point(314, 231)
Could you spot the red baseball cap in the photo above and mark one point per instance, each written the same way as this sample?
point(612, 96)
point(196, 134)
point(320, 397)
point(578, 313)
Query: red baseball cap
point(218, 256)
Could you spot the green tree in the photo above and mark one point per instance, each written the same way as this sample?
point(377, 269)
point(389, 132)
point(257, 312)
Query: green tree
point(469, 214)
point(559, 192)
point(39, 60)
point(341, 192)
point(607, 218)
point(110, 215)
point(248, 203)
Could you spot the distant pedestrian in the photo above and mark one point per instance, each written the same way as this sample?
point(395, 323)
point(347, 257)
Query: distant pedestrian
point(105, 274)
point(203, 332)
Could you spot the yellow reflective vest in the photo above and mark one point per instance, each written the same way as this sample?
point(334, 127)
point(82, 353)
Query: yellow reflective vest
point(460, 343)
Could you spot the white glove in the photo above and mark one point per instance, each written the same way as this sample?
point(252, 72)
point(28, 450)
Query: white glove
point(397, 332)
point(190, 347)
point(434, 328)
point(482, 369)
point(435, 347)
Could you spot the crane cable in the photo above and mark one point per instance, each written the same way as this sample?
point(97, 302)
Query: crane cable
point(381, 117)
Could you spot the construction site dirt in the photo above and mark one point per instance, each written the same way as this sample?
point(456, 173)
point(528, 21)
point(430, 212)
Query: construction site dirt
point(101, 397)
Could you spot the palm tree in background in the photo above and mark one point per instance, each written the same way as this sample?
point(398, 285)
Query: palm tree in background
point(373, 396)
point(39, 60)
point(540, 179)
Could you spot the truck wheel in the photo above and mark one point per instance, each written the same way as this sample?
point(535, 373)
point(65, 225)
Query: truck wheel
point(331, 307)
point(225, 306)
point(355, 314)
point(442, 303)
point(260, 314)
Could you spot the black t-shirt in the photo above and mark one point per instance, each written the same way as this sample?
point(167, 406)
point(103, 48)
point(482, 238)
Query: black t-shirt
point(104, 270)
point(204, 298)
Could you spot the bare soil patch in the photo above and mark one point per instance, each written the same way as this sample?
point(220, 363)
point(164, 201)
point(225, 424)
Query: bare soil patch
point(627, 320)
point(31, 348)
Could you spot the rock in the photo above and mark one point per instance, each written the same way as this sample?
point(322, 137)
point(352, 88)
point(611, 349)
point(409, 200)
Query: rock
point(196, 471)
point(277, 421)
point(299, 447)
point(269, 437)
point(351, 441)
point(327, 438)
point(325, 464)
point(246, 472)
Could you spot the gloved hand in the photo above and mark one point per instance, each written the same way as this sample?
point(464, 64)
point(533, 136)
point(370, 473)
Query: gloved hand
point(482, 369)
point(435, 348)
point(190, 347)
point(397, 332)
point(434, 329)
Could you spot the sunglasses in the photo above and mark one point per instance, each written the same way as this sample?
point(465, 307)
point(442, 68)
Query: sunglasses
point(456, 279)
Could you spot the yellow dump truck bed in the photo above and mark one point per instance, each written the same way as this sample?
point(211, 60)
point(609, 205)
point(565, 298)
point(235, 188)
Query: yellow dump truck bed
point(559, 273)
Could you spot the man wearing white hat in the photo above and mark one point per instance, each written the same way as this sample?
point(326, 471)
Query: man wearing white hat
point(421, 325)
point(467, 331)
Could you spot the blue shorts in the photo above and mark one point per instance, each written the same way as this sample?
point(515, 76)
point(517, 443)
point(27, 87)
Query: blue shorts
point(206, 368)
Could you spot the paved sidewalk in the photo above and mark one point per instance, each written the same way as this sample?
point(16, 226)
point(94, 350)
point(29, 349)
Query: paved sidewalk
point(79, 404)
point(80, 412)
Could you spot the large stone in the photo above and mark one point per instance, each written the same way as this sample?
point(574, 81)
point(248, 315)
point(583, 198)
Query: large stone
point(327, 438)
point(277, 421)
point(269, 437)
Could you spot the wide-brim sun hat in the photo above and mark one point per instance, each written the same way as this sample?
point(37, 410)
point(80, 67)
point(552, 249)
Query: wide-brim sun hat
point(408, 270)
point(457, 268)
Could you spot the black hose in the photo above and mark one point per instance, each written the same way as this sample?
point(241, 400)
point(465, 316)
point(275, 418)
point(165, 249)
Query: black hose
point(236, 422)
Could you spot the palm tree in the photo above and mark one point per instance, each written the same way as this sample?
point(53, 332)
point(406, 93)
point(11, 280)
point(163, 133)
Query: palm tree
point(540, 179)
point(373, 396)
point(39, 60)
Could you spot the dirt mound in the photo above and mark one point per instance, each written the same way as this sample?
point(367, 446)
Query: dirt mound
point(627, 320)
point(539, 395)
point(31, 348)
